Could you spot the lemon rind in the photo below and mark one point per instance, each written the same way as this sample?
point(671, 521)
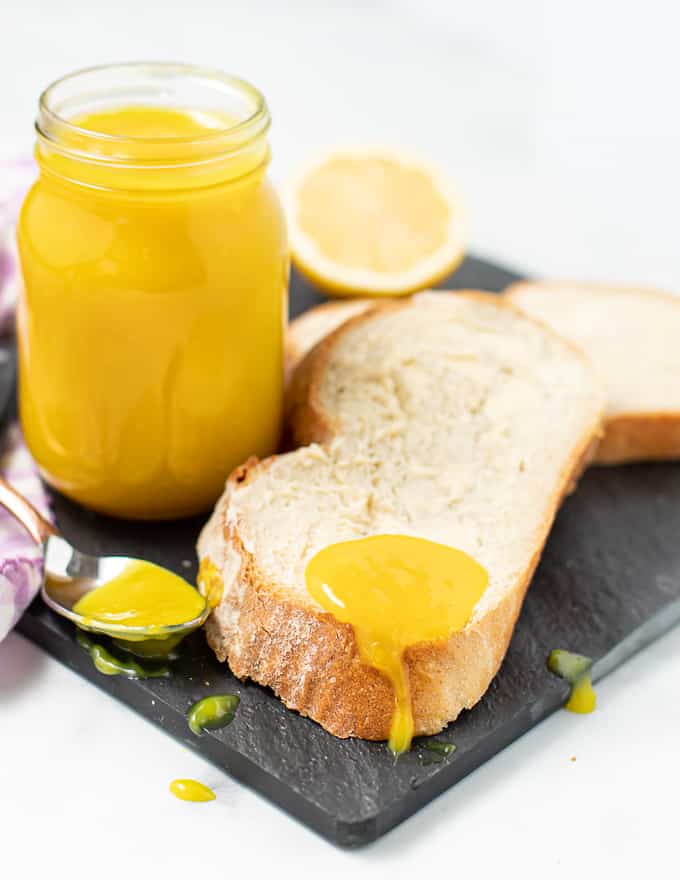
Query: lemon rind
point(340, 279)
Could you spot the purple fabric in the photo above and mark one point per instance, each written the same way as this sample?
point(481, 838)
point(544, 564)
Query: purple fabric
point(20, 558)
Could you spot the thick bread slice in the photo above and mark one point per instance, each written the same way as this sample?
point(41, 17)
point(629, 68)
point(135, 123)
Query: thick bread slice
point(632, 336)
point(450, 417)
point(311, 326)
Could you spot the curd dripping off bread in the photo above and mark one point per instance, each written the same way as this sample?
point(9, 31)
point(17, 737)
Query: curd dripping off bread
point(632, 337)
point(449, 417)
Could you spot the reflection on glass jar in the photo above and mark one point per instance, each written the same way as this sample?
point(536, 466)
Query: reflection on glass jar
point(155, 268)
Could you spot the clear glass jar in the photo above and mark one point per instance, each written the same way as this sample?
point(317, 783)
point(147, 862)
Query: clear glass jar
point(155, 267)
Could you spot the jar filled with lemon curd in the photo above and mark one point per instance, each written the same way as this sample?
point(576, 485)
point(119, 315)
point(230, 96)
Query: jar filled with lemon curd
point(155, 269)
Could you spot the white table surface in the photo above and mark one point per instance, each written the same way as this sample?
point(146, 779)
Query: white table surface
point(560, 122)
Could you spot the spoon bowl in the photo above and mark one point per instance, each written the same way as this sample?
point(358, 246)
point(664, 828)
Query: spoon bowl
point(70, 574)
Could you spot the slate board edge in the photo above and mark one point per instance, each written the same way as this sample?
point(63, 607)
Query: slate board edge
point(131, 693)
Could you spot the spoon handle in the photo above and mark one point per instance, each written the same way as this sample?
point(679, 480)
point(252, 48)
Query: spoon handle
point(24, 512)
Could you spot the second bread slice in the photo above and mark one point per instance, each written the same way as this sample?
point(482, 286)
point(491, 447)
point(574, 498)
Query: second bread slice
point(632, 336)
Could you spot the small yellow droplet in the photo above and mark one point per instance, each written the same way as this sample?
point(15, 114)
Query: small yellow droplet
point(191, 790)
point(582, 699)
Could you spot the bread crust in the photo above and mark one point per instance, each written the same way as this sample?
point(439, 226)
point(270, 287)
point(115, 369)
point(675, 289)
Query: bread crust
point(296, 344)
point(627, 436)
point(308, 658)
point(630, 437)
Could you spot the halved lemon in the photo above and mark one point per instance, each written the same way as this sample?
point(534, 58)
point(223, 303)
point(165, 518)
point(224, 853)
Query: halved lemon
point(373, 221)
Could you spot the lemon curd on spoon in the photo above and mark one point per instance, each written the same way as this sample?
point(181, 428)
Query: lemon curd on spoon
point(396, 591)
point(142, 595)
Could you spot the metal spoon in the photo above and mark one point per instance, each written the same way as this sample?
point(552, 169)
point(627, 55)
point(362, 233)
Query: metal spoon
point(70, 574)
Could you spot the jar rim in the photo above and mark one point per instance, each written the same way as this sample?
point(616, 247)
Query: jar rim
point(242, 131)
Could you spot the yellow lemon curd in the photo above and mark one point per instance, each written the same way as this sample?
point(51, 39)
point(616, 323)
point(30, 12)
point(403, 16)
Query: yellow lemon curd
point(150, 325)
point(191, 790)
point(143, 594)
point(396, 591)
point(582, 699)
point(575, 668)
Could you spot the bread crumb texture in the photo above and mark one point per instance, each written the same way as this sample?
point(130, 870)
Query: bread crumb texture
point(448, 417)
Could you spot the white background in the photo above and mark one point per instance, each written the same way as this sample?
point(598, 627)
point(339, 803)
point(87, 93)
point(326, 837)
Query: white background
point(561, 122)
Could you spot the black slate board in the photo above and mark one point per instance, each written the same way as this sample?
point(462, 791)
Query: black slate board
point(608, 584)
point(7, 376)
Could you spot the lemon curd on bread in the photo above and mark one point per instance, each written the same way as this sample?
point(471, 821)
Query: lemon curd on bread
point(451, 419)
point(396, 591)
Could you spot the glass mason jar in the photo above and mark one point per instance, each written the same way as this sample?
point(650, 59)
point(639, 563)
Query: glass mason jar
point(155, 269)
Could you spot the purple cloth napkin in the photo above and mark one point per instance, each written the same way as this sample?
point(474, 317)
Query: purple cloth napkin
point(20, 558)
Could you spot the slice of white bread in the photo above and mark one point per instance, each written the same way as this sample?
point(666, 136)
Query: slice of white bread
point(632, 336)
point(311, 326)
point(449, 417)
